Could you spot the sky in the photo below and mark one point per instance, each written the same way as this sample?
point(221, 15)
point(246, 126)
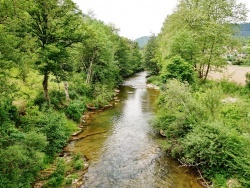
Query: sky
point(134, 18)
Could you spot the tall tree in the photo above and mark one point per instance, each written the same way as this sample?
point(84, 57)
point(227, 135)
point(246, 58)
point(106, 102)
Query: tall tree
point(136, 57)
point(150, 52)
point(55, 26)
point(97, 54)
point(208, 30)
point(7, 48)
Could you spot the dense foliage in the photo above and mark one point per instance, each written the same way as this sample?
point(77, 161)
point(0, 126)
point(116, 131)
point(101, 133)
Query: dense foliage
point(205, 124)
point(207, 129)
point(149, 56)
point(200, 32)
point(54, 62)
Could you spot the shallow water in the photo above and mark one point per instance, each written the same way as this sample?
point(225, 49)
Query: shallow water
point(123, 150)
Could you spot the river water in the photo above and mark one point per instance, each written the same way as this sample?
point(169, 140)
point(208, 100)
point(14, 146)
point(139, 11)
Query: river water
point(122, 148)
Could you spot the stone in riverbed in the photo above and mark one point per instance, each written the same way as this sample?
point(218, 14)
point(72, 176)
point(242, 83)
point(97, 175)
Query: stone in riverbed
point(117, 90)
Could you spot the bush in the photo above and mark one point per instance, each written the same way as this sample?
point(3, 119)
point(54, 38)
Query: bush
point(78, 162)
point(178, 68)
point(217, 149)
point(238, 61)
point(102, 95)
point(78, 87)
point(75, 110)
point(204, 132)
point(57, 98)
point(8, 119)
point(39, 100)
point(52, 124)
point(21, 161)
point(179, 110)
point(154, 80)
point(232, 88)
point(8, 112)
point(57, 177)
point(54, 127)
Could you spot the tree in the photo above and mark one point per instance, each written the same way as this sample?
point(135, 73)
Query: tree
point(184, 45)
point(127, 56)
point(136, 57)
point(207, 26)
point(54, 24)
point(97, 54)
point(178, 68)
point(150, 61)
point(8, 58)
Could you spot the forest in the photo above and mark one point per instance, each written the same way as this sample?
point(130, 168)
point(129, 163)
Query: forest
point(57, 61)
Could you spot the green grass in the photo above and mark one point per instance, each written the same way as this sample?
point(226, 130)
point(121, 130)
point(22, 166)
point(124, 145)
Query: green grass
point(28, 90)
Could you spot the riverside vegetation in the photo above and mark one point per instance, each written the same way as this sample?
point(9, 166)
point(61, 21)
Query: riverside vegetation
point(55, 61)
point(205, 123)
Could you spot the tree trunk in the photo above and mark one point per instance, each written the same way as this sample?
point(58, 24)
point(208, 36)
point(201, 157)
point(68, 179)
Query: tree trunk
point(89, 74)
point(66, 90)
point(200, 72)
point(209, 61)
point(208, 68)
point(45, 88)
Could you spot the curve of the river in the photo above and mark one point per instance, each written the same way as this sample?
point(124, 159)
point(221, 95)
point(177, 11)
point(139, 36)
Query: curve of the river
point(122, 148)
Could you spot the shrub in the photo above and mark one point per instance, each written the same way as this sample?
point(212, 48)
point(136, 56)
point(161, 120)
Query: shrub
point(78, 162)
point(179, 110)
point(57, 177)
point(8, 112)
point(39, 100)
point(212, 99)
point(232, 88)
point(217, 149)
point(52, 124)
point(78, 87)
point(102, 95)
point(75, 110)
point(57, 98)
point(239, 61)
point(154, 80)
point(178, 68)
point(21, 161)
point(204, 132)
point(54, 127)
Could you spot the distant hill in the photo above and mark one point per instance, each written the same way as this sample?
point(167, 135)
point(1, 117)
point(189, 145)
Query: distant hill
point(142, 41)
point(244, 30)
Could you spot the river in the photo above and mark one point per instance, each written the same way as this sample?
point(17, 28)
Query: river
point(123, 150)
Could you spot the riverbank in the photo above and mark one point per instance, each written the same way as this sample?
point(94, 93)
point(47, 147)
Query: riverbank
point(120, 144)
point(200, 126)
point(74, 169)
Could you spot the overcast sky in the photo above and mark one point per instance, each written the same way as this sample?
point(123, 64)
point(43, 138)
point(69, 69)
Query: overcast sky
point(134, 18)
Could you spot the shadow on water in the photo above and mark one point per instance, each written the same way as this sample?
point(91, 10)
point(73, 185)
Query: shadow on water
point(122, 148)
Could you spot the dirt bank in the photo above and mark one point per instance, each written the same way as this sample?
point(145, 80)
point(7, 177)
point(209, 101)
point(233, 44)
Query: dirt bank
point(233, 73)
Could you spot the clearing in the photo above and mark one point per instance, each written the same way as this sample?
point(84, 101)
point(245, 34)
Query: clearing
point(233, 73)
